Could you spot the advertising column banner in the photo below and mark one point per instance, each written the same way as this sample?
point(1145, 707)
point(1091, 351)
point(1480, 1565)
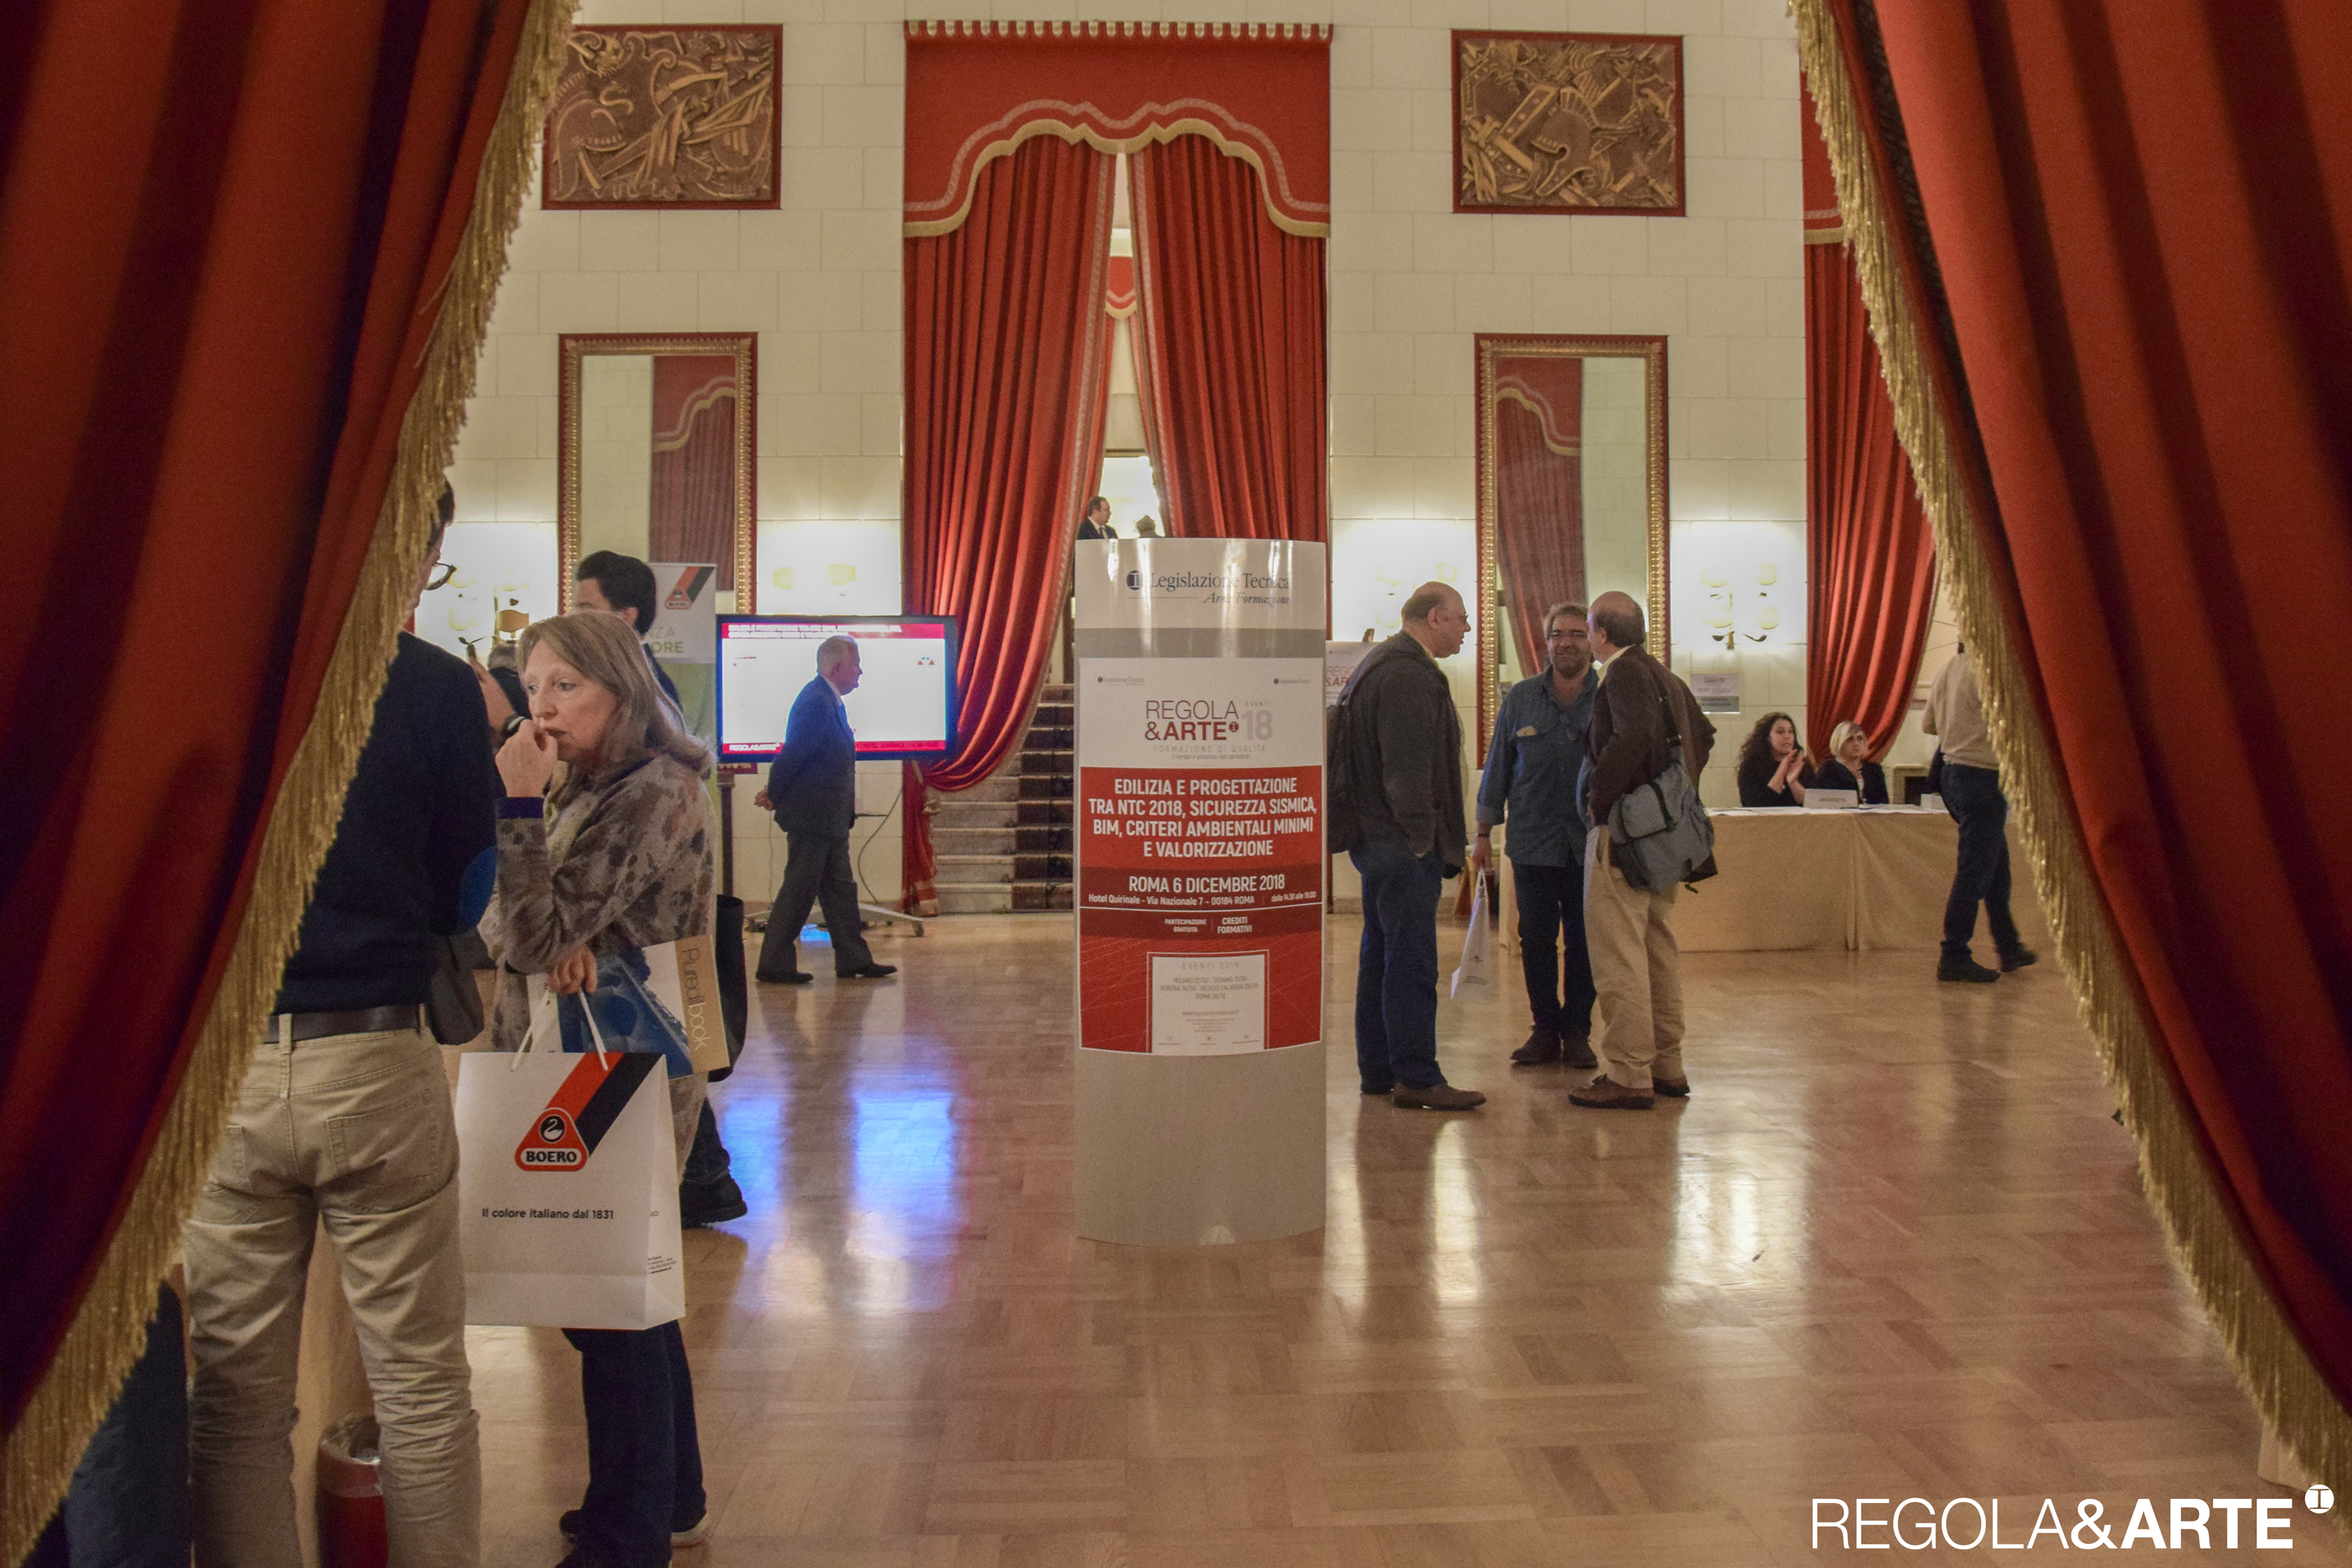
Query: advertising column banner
point(685, 638)
point(1199, 796)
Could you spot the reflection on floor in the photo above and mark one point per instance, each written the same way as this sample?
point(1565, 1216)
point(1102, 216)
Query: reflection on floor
point(1892, 1247)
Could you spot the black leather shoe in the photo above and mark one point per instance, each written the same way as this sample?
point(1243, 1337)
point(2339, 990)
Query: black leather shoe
point(1541, 1050)
point(1965, 970)
point(712, 1202)
point(789, 977)
point(1576, 1051)
point(866, 972)
point(2017, 958)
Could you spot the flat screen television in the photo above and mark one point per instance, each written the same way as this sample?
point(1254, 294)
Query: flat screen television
point(903, 709)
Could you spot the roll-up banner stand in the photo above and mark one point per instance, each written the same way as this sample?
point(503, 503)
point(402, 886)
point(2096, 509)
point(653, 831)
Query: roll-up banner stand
point(1199, 1093)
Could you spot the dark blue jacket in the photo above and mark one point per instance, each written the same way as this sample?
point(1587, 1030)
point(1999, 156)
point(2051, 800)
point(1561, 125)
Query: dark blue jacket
point(1532, 768)
point(812, 782)
point(415, 851)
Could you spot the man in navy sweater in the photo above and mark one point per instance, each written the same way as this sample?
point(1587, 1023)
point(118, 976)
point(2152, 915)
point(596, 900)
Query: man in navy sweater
point(812, 790)
point(344, 1118)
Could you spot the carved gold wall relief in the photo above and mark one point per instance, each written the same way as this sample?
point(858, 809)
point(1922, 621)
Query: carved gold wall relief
point(671, 117)
point(1569, 122)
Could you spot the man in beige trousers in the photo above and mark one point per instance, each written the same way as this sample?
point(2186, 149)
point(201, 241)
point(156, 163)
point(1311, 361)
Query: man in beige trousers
point(1641, 713)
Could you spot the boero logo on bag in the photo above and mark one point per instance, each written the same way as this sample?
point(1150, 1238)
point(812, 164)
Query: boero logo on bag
point(584, 1108)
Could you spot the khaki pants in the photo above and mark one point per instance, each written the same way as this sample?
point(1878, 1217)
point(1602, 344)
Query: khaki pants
point(1637, 970)
point(354, 1130)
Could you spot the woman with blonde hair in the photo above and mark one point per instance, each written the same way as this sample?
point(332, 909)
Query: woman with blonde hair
point(616, 856)
point(1850, 767)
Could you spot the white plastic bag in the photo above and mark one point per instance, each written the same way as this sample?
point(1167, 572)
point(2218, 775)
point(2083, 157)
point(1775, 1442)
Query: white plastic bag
point(567, 1182)
point(1477, 966)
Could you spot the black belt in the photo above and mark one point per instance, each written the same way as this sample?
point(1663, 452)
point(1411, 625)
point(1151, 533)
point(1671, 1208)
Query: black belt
point(356, 1021)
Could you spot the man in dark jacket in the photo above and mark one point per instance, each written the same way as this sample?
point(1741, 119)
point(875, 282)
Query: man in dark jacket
point(1402, 782)
point(344, 1118)
point(1642, 715)
point(812, 790)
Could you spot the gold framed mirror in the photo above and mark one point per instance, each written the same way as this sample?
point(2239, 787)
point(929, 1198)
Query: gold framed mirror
point(1572, 443)
point(654, 452)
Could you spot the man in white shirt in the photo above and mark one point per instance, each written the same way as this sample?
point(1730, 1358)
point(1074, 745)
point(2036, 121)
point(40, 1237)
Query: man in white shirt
point(1972, 794)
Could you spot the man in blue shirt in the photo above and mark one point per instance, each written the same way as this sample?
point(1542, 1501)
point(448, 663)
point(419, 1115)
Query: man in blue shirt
point(1532, 775)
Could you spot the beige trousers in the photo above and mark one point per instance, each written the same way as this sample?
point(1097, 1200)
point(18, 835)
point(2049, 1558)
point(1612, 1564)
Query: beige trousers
point(354, 1130)
point(1637, 970)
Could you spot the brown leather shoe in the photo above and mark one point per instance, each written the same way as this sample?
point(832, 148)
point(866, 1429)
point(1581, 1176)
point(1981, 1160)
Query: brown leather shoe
point(1672, 1087)
point(1437, 1097)
point(1541, 1050)
point(1605, 1093)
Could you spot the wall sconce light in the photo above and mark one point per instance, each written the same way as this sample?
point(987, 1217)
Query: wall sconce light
point(1723, 616)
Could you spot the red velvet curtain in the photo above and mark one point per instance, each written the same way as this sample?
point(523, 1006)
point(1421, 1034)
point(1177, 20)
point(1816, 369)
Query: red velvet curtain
point(1870, 592)
point(1005, 372)
point(1539, 515)
point(692, 512)
point(1233, 330)
point(226, 232)
point(2132, 285)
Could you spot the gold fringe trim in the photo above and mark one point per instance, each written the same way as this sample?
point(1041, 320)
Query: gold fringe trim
point(2199, 1224)
point(109, 1329)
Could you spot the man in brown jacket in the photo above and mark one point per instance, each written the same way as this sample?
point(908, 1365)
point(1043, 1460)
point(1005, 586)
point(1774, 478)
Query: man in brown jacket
point(1641, 708)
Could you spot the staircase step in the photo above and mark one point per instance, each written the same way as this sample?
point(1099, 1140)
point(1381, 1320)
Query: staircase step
point(1039, 895)
point(1036, 762)
point(957, 812)
point(963, 868)
point(1043, 737)
point(1057, 691)
point(1038, 812)
point(1060, 714)
point(989, 898)
point(1044, 786)
point(961, 841)
point(1041, 867)
point(1002, 784)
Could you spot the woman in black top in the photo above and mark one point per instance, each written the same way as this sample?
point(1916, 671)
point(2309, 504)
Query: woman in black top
point(1772, 767)
point(1849, 768)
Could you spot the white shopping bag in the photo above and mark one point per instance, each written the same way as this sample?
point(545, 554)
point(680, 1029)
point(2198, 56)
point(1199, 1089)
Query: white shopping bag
point(1477, 966)
point(567, 1182)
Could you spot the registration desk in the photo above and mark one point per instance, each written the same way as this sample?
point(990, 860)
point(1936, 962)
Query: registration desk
point(1871, 877)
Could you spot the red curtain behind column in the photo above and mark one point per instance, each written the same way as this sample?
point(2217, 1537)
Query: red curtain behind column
point(692, 514)
point(1006, 373)
point(1539, 506)
point(2136, 312)
point(1233, 336)
point(1870, 595)
point(226, 232)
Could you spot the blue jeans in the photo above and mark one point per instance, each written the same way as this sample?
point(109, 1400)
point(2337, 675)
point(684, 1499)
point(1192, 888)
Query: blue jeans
point(707, 1163)
point(1396, 970)
point(1552, 908)
point(1973, 797)
point(129, 1505)
point(645, 1459)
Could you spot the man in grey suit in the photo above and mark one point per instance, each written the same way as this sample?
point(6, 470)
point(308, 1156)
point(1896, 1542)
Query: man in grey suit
point(812, 790)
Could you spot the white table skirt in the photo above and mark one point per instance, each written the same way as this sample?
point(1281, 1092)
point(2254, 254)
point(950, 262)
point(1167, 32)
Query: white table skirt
point(1866, 880)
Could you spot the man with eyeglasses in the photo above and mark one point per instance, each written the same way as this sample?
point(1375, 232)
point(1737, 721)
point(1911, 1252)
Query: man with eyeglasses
point(1532, 769)
point(344, 1119)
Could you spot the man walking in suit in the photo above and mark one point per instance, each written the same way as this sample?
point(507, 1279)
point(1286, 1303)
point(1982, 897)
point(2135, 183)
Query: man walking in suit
point(812, 790)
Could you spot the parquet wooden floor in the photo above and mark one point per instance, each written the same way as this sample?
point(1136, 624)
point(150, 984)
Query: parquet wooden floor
point(1892, 1247)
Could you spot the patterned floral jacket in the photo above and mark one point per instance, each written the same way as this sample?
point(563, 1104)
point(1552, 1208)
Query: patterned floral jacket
point(625, 858)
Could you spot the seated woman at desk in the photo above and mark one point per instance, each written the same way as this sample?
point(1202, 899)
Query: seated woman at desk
point(1848, 768)
point(1773, 771)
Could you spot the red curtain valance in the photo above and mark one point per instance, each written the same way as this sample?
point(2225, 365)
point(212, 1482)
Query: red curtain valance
point(1550, 388)
point(985, 88)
